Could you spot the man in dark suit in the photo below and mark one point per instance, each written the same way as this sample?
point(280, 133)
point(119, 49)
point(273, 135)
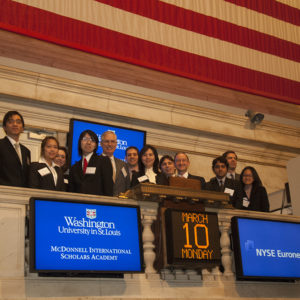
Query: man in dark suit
point(109, 144)
point(123, 180)
point(182, 164)
point(14, 157)
point(221, 183)
point(231, 158)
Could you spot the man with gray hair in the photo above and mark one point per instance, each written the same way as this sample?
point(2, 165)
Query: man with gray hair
point(109, 144)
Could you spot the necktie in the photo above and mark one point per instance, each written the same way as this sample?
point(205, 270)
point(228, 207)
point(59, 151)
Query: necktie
point(221, 185)
point(18, 150)
point(231, 176)
point(85, 164)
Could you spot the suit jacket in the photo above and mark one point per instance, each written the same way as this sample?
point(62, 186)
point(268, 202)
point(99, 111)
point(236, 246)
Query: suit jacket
point(99, 183)
point(12, 172)
point(213, 185)
point(201, 179)
point(122, 183)
point(46, 182)
point(259, 200)
point(162, 179)
point(119, 164)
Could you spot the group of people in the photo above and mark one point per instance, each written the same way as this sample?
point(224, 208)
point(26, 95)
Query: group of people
point(107, 175)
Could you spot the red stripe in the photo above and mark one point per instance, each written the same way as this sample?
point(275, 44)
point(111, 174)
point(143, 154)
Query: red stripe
point(199, 23)
point(272, 8)
point(31, 21)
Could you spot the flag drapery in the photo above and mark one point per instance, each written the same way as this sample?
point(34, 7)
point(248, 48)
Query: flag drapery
point(250, 46)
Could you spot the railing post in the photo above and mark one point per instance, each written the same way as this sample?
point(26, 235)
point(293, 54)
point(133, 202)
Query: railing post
point(148, 216)
point(224, 222)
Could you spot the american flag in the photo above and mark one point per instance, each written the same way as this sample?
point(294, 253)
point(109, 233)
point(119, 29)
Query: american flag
point(247, 45)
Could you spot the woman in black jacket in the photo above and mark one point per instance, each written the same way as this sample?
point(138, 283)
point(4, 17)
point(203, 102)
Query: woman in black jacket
point(255, 196)
point(45, 174)
point(148, 166)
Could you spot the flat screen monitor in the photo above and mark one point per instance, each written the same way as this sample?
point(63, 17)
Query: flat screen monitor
point(265, 249)
point(84, 237)
point(125, 137)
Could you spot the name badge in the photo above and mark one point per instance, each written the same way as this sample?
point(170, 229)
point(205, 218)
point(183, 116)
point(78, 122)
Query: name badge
point(44, 171)
point(229, 191)
point(124, 172)
point(66, 181)
point(246, 202)
point(90, 170)
point(143, 178)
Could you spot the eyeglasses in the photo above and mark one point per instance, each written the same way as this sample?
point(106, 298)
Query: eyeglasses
point(87, 139)
point(18, 121)
point(109, 141)
point(248, 176)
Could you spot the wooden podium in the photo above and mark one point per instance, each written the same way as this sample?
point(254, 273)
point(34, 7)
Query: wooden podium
point(170, 230)
point(179, 196)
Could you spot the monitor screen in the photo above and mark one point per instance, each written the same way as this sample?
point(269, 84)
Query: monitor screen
point(68, 236)
point(192, 239)
point(126, 137)
point(266, 249)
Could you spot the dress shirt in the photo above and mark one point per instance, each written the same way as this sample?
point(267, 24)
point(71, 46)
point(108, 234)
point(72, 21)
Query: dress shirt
point(221, 181)
point(16, 146)
point(51, 168)
point(88, 157)
point(230, 175)
point(185, 175)
point(151, 175)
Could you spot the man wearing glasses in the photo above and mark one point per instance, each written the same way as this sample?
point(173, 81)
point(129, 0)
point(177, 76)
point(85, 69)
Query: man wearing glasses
point(92, 174)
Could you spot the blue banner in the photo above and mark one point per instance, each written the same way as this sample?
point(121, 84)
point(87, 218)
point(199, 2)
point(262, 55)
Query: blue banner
point(269, 248)
point(86, 237)
point(125, 137)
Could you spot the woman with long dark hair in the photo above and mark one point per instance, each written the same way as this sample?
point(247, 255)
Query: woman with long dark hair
point(45, 174)
point(255, 196)
point(148, 166)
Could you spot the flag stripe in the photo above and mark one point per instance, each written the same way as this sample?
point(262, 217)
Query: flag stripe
point(272, 8)
point(241, 16)
point(95, 39)
point(200, 23)
point(99, 14)
point(292, 3)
